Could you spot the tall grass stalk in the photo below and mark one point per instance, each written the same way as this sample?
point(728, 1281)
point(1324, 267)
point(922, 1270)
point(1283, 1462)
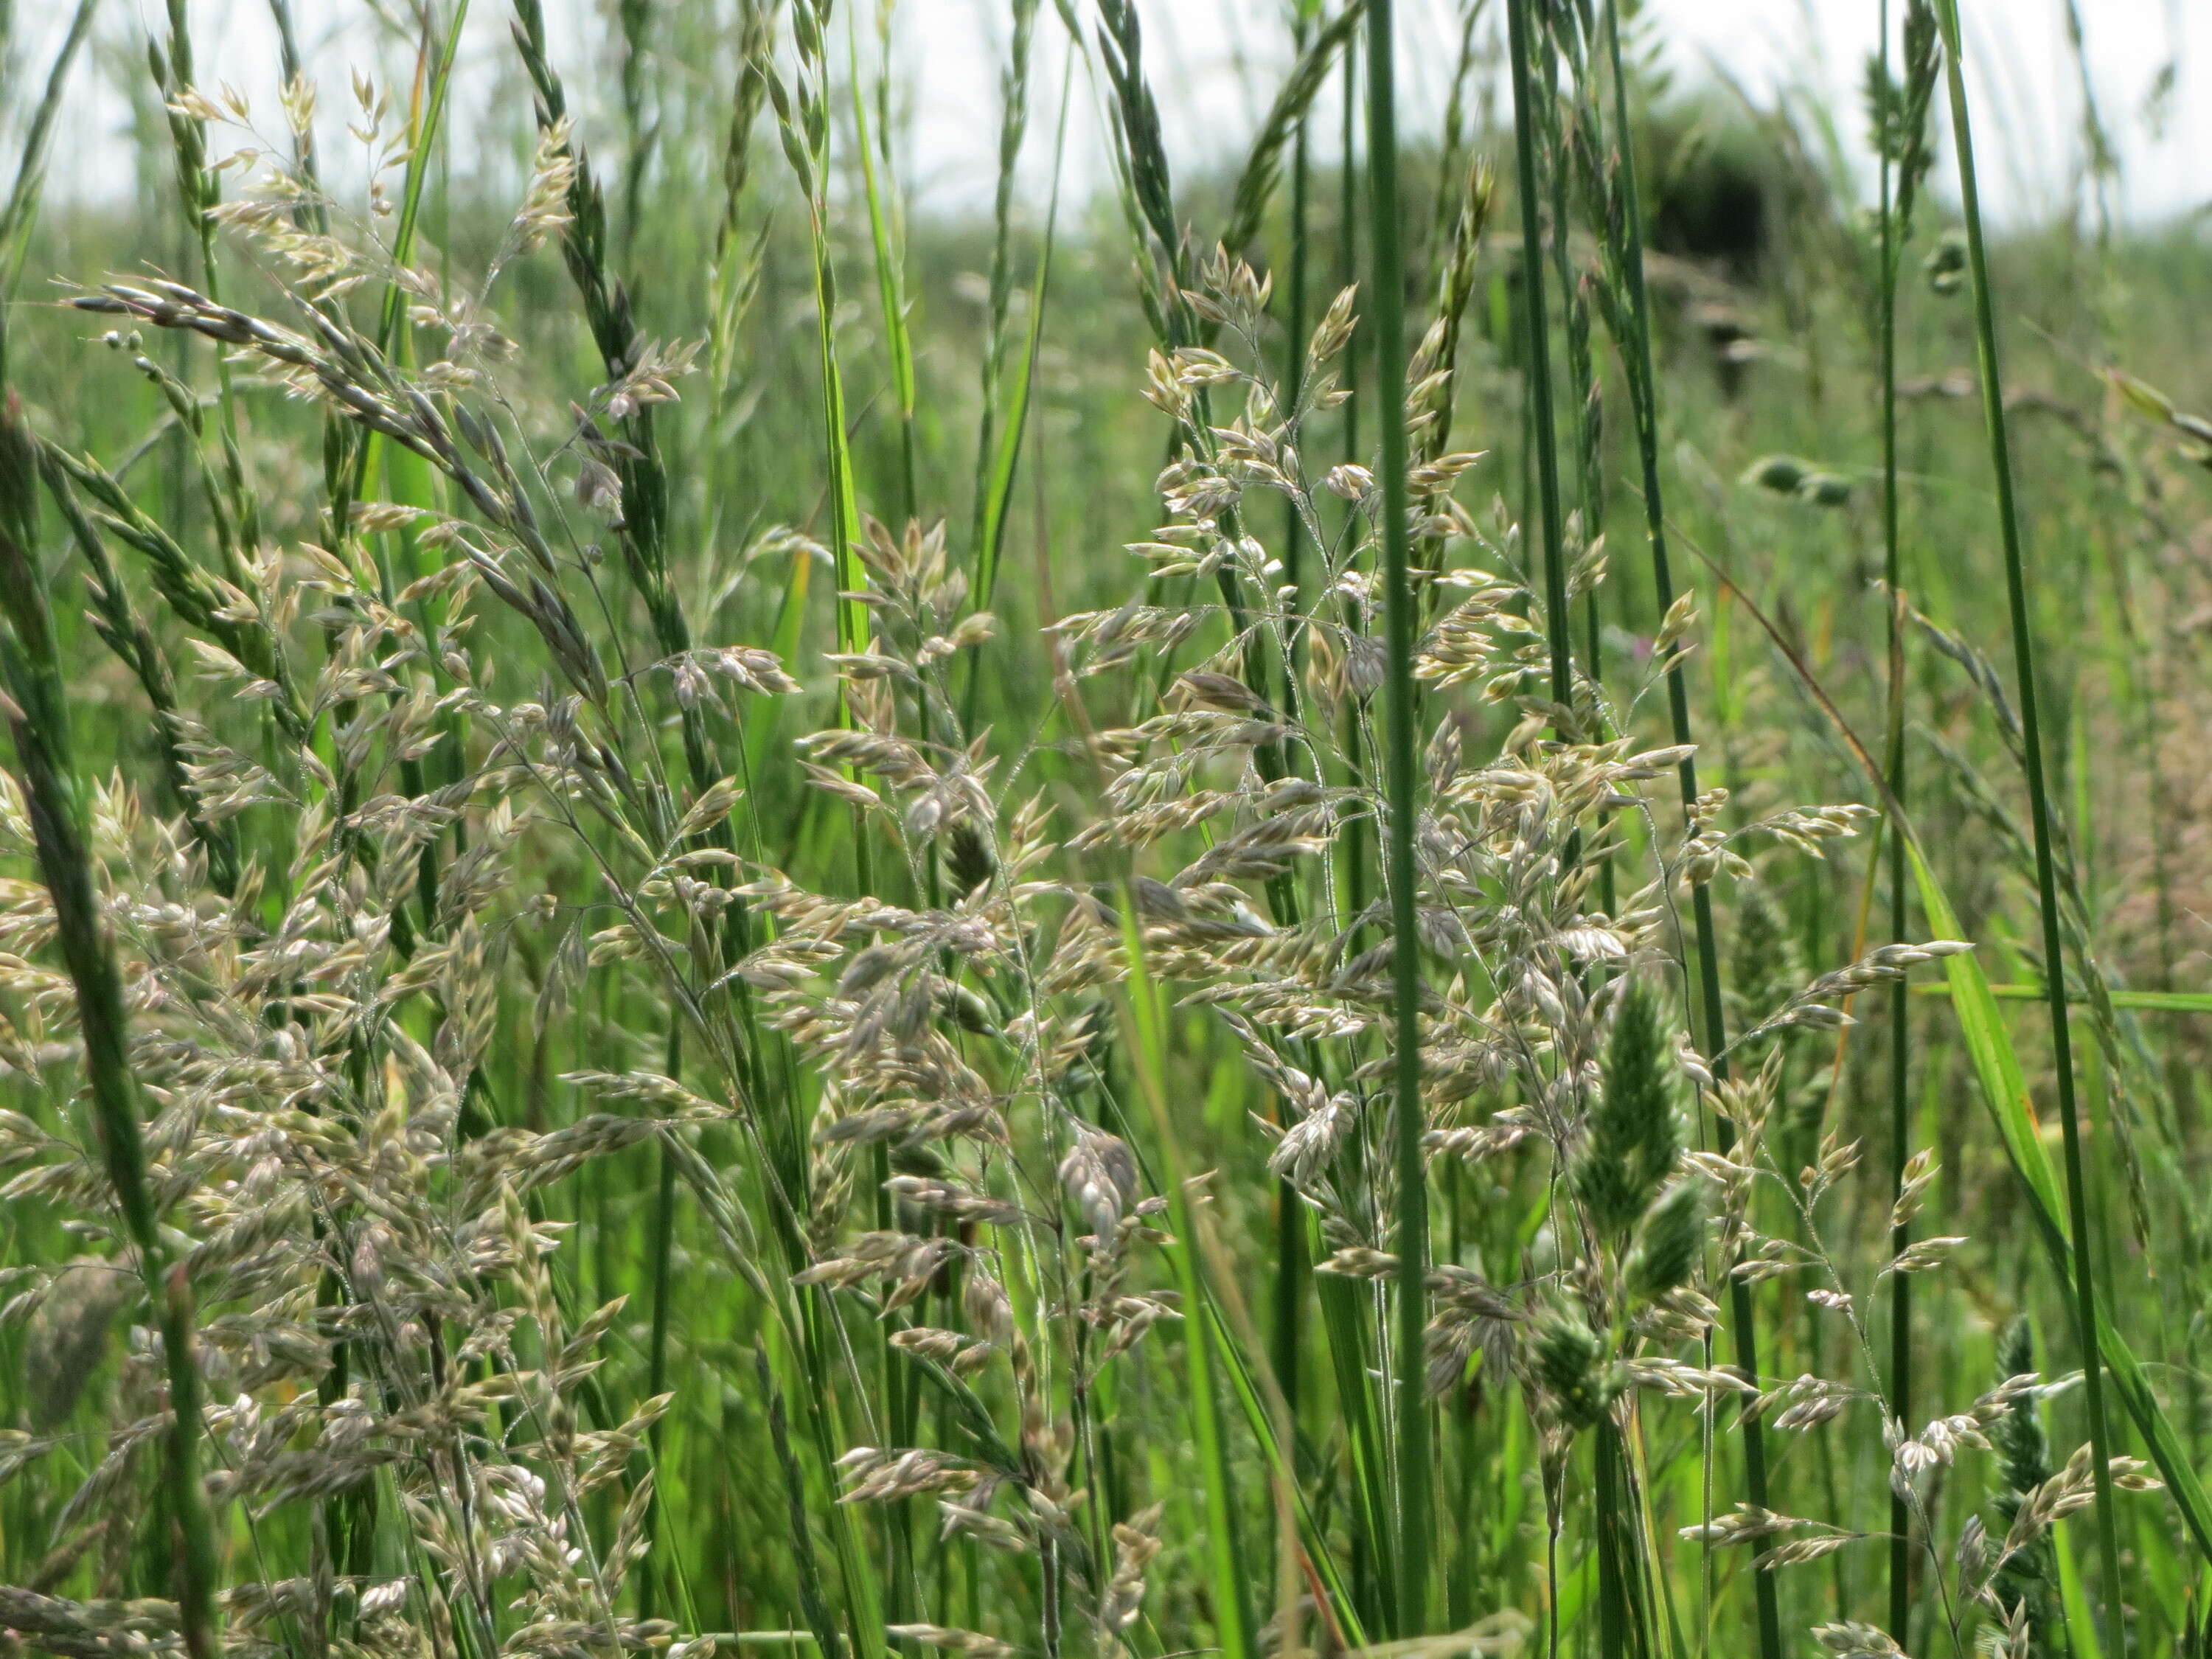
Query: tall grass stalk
point(886, 239)
point(1347, 233)
point(1401, 740)
point(1291, 1223)
point(661, 1250)
point(22, 207)
point(1626, 227)
point(1523, 47)
point(1900, 145)
point(426, 123)
point(1559, 130)
point(54, 798)
point(1001, 430)
point(997, 500)
point(199, 189)
point(1298, 288)
point(2112, 1587)
point(802, 109)
point(1013, 126)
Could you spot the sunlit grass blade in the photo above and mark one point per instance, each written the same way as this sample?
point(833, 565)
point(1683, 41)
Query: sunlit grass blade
point(2173, 1002)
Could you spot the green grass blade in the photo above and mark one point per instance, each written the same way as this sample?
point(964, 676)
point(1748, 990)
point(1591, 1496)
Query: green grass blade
point(998, 487)
point(891, 290)
point(423, 149)
point(2171, 1002)
point(1312, 1535)
point(1014, 127)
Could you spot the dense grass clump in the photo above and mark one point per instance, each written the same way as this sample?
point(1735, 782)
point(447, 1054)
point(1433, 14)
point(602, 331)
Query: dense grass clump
point(1440, 897)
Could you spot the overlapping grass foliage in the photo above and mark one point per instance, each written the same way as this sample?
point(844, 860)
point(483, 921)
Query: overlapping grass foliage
point(1388, 903)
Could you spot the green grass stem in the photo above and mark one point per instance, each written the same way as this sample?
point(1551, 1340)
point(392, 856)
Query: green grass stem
point(2112, 1587)
point(1644, 388)
point(1401, 740)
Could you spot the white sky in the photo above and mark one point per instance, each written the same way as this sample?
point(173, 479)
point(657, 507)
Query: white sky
point(1215, 64)
point(1214, 83)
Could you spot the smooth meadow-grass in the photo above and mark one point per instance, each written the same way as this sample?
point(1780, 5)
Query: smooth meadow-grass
point(831, 926)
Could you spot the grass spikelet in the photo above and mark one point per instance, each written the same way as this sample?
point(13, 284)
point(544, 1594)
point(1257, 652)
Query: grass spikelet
point(1670, 1238)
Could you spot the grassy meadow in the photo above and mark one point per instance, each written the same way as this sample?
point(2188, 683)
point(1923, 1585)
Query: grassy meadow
point(1443, 893)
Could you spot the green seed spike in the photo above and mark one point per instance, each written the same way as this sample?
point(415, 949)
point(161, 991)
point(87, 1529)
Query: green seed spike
point(1571, 1369)
point(1633, 1137)
point(1668, 1242)
point(2028, 1575)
